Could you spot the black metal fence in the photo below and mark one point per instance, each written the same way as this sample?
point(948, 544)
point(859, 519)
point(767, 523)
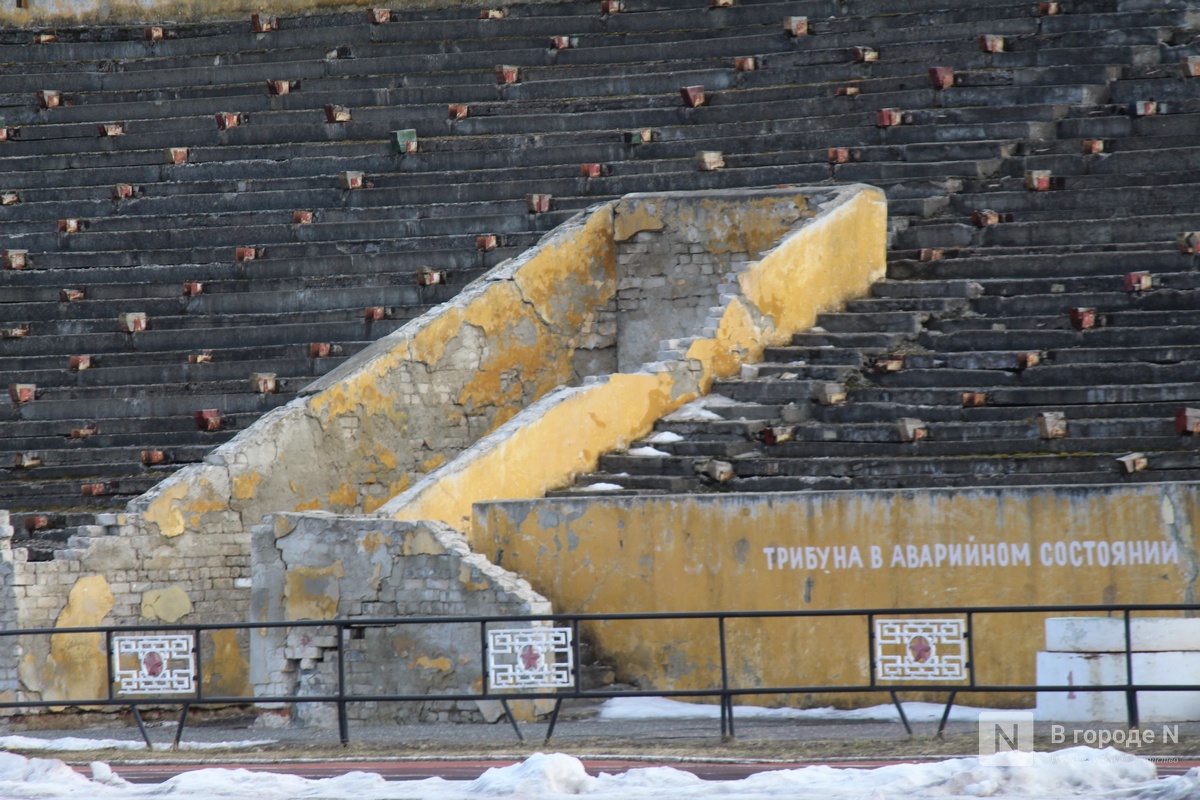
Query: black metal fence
point(725, 692)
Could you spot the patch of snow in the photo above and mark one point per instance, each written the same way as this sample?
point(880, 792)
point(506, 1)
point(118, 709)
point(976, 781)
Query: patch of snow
point(604, 487)
point(647, 451)
point(1078, 772)
point(665, 437)
point(644, 708)
point(77, 743)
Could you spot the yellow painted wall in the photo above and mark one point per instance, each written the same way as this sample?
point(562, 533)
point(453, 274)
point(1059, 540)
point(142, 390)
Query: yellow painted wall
point(704, 552)
point(833, 255)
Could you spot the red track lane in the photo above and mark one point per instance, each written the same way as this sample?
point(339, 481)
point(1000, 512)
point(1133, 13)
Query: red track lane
point(469, 770)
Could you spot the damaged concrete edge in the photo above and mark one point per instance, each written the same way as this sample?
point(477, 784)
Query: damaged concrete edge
point(323, 566)
point(225, 485)
point(506, 270)
point(832, 256)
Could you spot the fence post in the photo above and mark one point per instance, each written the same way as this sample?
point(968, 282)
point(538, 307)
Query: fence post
point(343, 723)
point(1131, 703)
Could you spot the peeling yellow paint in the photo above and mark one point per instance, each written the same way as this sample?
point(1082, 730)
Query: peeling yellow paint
point(308, 505)
point(165, 511)
point(169, 605)
point(283, 526)
point(372, 503)
point(432, 463)
point(568, 438)
point(244, 485)
point(312, 592)
point(372, 541)
point(344, 497)
point(430, 342)
point(75, 669)
point(422, 543)
point(441, 664)
point(464, 577)
point(229, 673)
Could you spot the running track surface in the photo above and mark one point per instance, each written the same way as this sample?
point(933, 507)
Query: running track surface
point(469, 770)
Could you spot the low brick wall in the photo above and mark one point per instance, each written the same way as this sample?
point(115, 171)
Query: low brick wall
point(323, 566)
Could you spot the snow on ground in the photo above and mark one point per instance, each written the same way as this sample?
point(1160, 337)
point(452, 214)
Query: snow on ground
point(604, 487)
point(1078, 772)
point(665, 437)
point(77, 743)
point(630, 708)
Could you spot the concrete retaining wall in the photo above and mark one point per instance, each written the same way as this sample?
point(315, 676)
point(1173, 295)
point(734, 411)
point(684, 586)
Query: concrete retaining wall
point(837, 550)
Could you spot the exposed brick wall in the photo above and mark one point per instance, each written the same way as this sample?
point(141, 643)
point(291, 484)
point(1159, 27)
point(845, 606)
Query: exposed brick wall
point(321, 566)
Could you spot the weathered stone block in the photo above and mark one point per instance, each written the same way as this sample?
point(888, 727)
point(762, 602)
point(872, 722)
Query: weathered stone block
point(693, 96)
point(133, 321)
point(888, 117)
point(208, 419)
point(796, 26)
point(1082, 318)
point(1187, 421)
point(1138, 282)
point(15, 259)
point(335, 113)
point(1052, 425)
point(710, 161)
point(911, 429)
point(404, 141)
point(1037, 180)
point(1133, 462)
point(989, 43)
point(830, 394)
point(430, 277)
point(941, 77)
